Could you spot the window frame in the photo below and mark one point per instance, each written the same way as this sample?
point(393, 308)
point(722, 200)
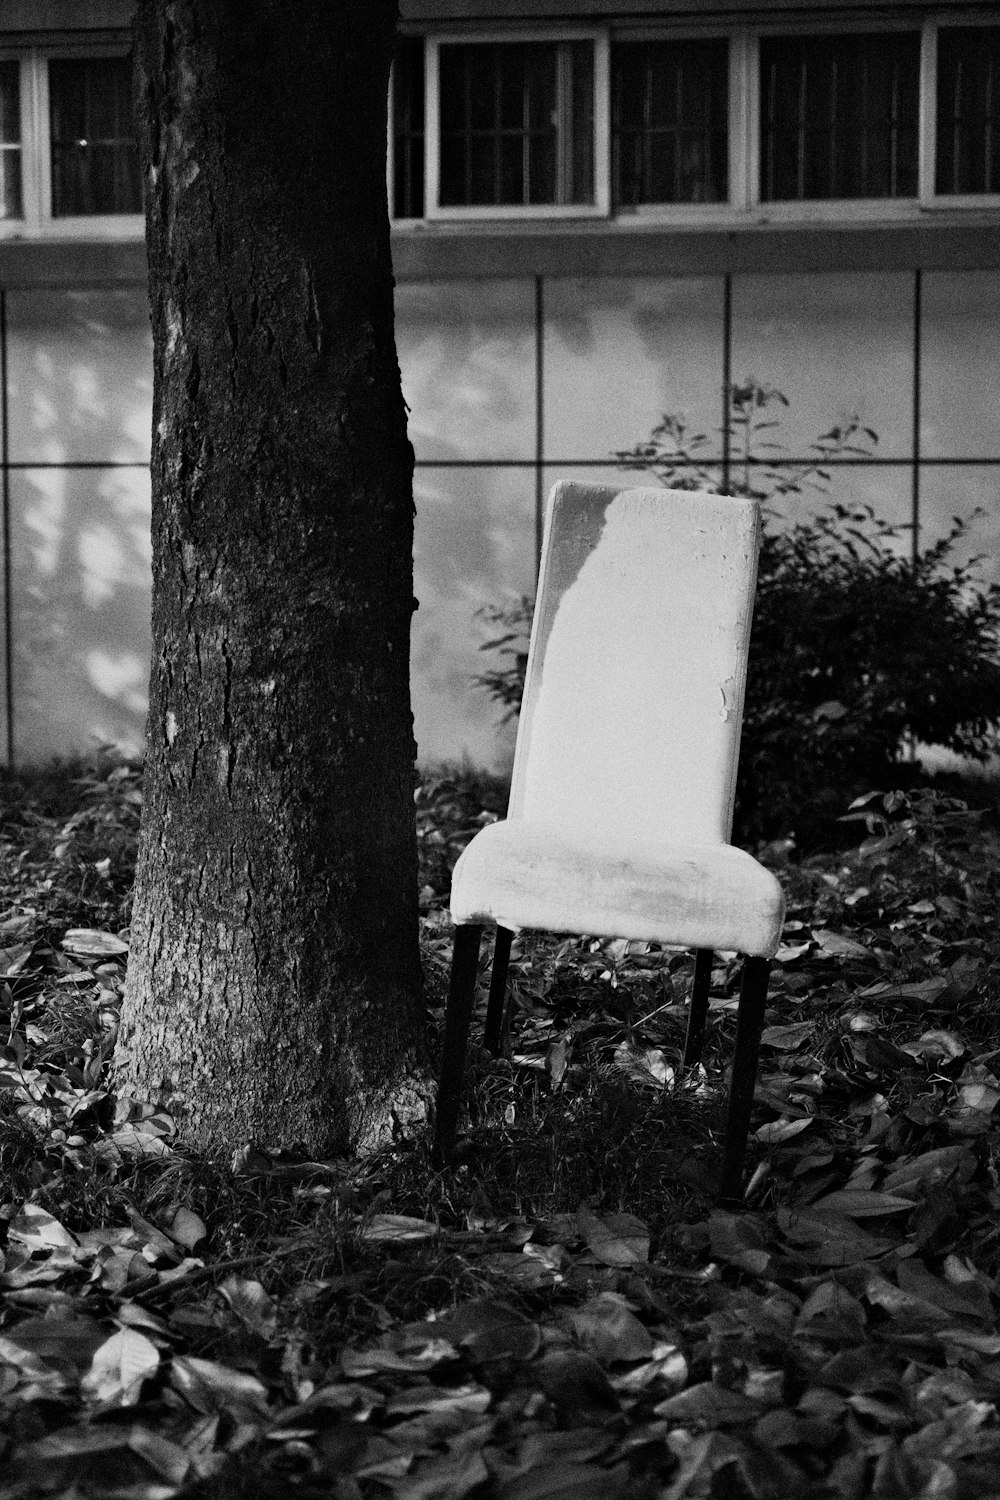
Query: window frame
point(930, 198)
point(38, 221)
point(743, 206)
point(15, 228)
point(434, 210)
point(736, 157)
point(823, 210)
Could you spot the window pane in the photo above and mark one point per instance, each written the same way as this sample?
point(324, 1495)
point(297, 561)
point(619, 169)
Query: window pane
point(517, 123)
point(579, 71)
point(670, 107)
point(408, 128)
point(95, 159)
point(11, 206)
point(968, 110)
point(839, 116)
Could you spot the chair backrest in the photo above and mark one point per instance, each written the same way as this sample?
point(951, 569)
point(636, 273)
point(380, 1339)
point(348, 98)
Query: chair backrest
point(633, 701)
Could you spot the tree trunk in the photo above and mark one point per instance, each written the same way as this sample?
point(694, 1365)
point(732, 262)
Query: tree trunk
point(273, 990)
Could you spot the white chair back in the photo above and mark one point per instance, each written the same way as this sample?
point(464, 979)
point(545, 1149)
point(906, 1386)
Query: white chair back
point(633, 703)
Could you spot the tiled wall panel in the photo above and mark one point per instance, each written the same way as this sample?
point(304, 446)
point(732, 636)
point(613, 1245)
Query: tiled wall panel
point(467, 358)
point(80, 376)
point(620, 353)
point(836, 346)
point(80, 609)
point(960, 365)
point(474, 545)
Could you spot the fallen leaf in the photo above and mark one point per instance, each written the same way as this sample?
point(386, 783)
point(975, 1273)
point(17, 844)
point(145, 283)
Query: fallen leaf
point(937, 1045)
point(119, 1367)
point(614, 1239)
point(861, 1203)
point(419, 1354)
point(931, 1169)
point(787, 1038)
point(435, 1398)
point(569, 1481)
point(610, 1331)
point(88, 942)
point(251, 1304)
point(36, 1229)
point(708, 1405)
point(383, 1229)
point(187, 1228)
point(527, 1271)
point(838, 945)
point(830, 1239)
point(922, 990)
point(644, 1065)
point(788, 952)
point(667, 1367)
point(211, 1387)
point(775, 1131)
point(739, 1239)
point(446, 1476)
point(486, 1330)
point(576, 1385)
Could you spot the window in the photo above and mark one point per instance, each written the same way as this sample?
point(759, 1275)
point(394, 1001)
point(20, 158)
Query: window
point(839, 116)
point(95, 159)
point(968, 110)
point(670, 111)
point(11, 205)
point(408, 129)
point(516, 124)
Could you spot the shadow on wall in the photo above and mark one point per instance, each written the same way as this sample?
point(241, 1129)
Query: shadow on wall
point(81, 602)
point(467, 357)
point(80, 392)
point(474, 543)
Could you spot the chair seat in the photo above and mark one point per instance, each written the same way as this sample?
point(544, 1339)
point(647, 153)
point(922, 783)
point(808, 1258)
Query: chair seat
point(527, 874)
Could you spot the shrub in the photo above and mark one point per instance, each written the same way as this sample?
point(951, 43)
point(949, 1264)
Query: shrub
point(856, 650)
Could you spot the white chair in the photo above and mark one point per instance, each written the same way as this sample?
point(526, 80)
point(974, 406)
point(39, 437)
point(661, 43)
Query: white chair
point(621, 803)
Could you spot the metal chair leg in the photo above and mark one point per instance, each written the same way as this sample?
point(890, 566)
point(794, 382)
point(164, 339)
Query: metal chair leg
point(749, 1025)
point(698, 1012)
point(498, 989)
point(461, 994)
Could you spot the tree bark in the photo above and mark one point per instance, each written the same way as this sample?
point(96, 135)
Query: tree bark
point(273, 989)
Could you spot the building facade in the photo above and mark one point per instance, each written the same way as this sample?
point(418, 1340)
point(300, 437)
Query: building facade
point(600, 215)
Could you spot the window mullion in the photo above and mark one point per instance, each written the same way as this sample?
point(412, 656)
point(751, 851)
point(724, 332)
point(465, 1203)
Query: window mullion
point(803, 142)
point(894, 136)
point(927, 119)
point(30, 189)
point(432, 127)
point(987, 132)
point(743, 166)
point(602, 123)
point(43, 139)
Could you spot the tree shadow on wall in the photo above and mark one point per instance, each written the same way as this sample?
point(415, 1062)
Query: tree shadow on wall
point(80, 396)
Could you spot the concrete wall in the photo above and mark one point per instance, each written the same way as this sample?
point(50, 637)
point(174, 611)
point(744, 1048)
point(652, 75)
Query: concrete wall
point(512, 383)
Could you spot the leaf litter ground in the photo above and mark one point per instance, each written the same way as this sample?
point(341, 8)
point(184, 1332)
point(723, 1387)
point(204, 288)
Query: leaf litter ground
point(564, 1313)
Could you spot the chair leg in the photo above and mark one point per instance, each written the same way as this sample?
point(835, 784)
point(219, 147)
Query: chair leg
point(461, 994)
point(698, 1012)
point(498, 989)
point(749, 1025)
